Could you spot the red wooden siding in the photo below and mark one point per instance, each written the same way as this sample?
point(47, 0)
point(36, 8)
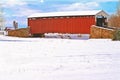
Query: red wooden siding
point(79, 24)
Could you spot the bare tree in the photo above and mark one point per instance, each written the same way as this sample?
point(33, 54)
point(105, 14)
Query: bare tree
point(114, 20)
point(2, 20)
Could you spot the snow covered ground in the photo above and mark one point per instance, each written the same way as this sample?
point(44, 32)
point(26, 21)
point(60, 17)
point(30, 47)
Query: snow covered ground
point(59, 59)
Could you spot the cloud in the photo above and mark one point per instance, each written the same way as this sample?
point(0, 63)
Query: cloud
point(97, 0)
point(79, 6)
point(18, 10)
point(13, 3)
point(105, 0)
point(25, 12)
point(41, 1)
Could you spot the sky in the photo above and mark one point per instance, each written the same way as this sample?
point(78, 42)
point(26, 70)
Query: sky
point(19, 10)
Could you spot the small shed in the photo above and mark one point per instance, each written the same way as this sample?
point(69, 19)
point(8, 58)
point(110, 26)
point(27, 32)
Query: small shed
point(74, 22)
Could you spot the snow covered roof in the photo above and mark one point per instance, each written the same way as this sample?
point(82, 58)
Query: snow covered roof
point(69, 13)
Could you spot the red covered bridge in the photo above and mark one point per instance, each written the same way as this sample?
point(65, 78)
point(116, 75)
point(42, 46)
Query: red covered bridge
point(74, 22)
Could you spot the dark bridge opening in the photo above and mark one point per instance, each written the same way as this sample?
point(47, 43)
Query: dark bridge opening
point(101, 21)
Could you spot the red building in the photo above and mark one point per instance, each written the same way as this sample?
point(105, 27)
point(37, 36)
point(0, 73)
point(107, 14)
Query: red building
point(66, 22)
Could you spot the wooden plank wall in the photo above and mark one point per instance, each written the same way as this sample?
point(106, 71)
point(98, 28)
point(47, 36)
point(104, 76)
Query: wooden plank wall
point(23, 32)
point(100, 32)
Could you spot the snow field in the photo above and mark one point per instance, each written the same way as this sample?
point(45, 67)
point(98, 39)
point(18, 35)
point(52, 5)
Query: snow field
point(59, 59)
